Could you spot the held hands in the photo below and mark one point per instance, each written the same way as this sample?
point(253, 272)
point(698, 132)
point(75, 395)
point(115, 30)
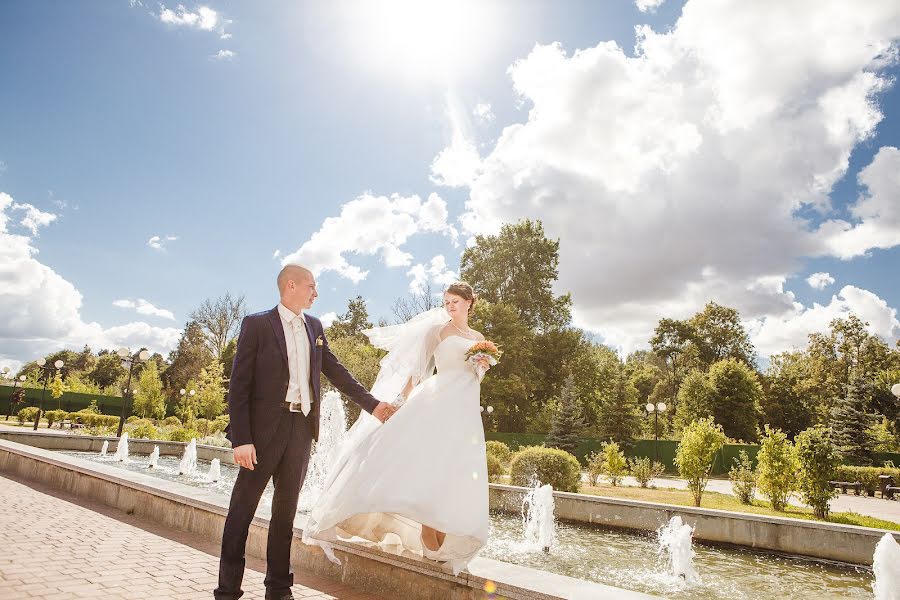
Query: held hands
point(245, 456)
point(383, 411)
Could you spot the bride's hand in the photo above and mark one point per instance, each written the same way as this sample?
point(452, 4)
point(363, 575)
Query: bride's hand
point(484, 363)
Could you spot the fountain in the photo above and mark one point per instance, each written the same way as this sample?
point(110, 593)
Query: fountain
point(886, 566)
point(189, 460)
point(104, 448)
point(215, 471)
point(154, 458)
point(332, 432)
point(121, 454)
point(537, 518)
point(675, 541)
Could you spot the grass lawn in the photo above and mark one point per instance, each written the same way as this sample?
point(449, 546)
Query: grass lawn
point(728, 502)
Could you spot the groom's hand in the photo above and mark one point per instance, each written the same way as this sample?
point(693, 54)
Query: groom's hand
point(383, 411)
point(245, 456)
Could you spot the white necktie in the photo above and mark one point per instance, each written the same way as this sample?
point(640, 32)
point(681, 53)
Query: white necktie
point(303, 382)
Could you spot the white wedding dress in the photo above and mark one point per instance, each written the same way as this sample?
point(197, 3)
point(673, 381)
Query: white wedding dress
point(425, 465)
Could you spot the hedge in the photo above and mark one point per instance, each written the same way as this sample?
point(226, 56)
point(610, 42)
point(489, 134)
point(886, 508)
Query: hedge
point(551, 466)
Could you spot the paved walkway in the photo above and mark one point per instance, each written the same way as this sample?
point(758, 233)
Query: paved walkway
point(55, 547)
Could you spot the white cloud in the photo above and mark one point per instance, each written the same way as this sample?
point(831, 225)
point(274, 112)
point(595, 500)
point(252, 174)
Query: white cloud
point(224, 55)
point(34, 217)
point(41, 309)
point(876, 212)
point(776, 334)
point(675, 176)
point(371, 225)
point(158, 242)
point(276, 254)
point(457, 165)
point(483, 113)
point(648, 5)
point(144, 308)
point(328, 318)
point(820, 281)
point(435, 272)
point(204, 18)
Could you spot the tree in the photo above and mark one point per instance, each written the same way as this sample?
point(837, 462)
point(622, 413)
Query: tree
point(700, 441)
point(211, 390)
point(362, 359)
point(567, 423)
point(406, 308)
point(149, 398)
point(695, 399)
point(776, 467)
point(351, 323)
point(188, 358)
point(613, 465)
point(671, 342)
point(57, 387)
point(852, 421)
point(817, 460)
point(187, 406)
point(620, 416)
point(518, 267)
point(784, 401)
point(108, 369)
point(735, 398)
point(219, 321)
point(77, 383)
point(719, 334)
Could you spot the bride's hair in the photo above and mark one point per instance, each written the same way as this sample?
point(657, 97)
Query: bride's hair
point(464, 291)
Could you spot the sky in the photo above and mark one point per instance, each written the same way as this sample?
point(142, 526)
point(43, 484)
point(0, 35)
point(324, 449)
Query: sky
point(153, 155)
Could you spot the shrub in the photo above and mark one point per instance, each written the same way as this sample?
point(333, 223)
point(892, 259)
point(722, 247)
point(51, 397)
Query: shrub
point(216, 439)
point(547, 466)
point(92, 408)
point(595, 467)
point(54, 416)
point(172, 421)
point(27, 414)
point(700, 441)
point(500, 450)
point(101, 430)
point(645, 470)
point(90, 419)
point(743, 479)
point(776, 467)
point(218, 424)
point(817, 458)
point(143, 428)
point(182, 434)
point(202, 425)
point(868, 476)
point(495, 468)
point(613, 465)
point(133, 419)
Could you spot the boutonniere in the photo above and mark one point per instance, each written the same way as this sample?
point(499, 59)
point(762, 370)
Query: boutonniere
point(319, 342)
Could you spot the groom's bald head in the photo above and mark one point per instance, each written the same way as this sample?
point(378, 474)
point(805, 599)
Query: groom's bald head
point(297, 286)
point(294, 273)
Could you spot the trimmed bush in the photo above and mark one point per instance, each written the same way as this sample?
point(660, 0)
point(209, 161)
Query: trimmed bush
point(868, 476)
point(776, 470)
point(54, 416)
point(172, 422)
point(182, 434)
point(27, 414)
point(495, 468)
point(133, 419)
point(546, 466)
point(90, 419)
point(645, 470)
point(142, 428)
point(500, 450)
point(743, 479)
point(817, 458)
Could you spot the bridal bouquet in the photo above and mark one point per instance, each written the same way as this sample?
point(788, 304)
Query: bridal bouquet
point(486, 349)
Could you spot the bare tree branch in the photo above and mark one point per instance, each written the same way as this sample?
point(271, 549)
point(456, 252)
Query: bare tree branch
point(220, 320)
point(406, 308)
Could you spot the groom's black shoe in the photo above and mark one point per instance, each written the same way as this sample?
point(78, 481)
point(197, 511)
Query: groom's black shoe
point(287, 596)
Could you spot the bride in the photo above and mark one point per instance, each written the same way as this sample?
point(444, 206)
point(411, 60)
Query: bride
point(417, 484)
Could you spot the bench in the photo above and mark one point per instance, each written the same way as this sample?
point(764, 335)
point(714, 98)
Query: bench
point(856, 486)
point(888, 489)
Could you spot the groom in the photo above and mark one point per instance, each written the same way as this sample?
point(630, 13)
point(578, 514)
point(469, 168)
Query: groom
point(273, 402)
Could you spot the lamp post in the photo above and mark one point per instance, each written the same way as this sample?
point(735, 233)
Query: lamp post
point(47, 369)
point(655, 410)
point(129, 360)
point(895, 389)
point(12, 396)
point(185, 412)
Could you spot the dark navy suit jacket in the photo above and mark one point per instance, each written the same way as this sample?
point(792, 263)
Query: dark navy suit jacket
point(259, 378)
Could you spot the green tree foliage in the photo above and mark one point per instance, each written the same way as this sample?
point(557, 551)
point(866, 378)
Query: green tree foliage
point(211, 390)
point(545, 466)
point(672, 342)
point(785, 403)
point(108, 369)
point(718, 334)
point(743, 479)
point(351, 323)
point(852, 422)
point(518, 267)
point(776, 469)
point(362, 360)
point(187, 407)
point(57, 386)
point(619, 417)
point(189, 357)
point(736, 395)
point(613, 465)
point(700, 441)
point(817, 459)
point(695, 399)
point(149, 398)
point(567, 423)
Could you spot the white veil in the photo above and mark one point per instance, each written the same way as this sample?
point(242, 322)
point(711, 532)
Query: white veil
point(410, 355)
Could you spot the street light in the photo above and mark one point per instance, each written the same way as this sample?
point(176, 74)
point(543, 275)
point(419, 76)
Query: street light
point(128, 360)
point(187, 414)
point(12, 396)
point(655, 410)
point(47, 369)
point(895, 389)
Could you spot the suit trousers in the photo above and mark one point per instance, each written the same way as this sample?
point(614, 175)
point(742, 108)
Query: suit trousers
point(284, 459)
